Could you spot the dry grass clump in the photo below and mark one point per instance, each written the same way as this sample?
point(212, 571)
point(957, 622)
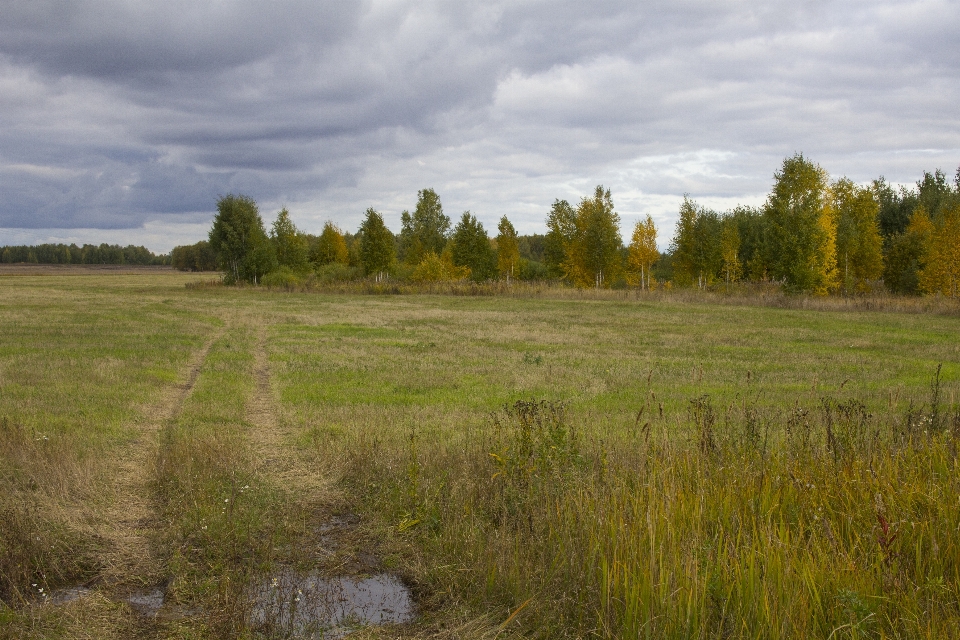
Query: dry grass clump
point(736, 521)
point(92, 617)
point(44, 544)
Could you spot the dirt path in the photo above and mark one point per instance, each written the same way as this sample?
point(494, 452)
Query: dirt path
point(130, 560)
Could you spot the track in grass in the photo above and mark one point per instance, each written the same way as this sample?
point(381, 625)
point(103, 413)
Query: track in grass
point(132, 561)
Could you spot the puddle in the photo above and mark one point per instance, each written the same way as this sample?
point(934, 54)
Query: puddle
point(306, 605)
point(328, 532)
point(68, 594)
point(147, 603)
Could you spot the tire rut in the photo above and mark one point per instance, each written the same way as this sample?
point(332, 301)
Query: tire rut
point(130, 520)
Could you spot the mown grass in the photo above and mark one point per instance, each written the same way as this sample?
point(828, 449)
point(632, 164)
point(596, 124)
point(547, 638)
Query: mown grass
point(679, 479)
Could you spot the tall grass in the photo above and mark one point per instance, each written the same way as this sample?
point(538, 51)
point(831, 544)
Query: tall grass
point(42, 544)
point(723, 521)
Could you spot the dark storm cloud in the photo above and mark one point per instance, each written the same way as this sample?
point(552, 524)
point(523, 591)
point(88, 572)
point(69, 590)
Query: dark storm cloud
point(134, 41)
point(117, 113)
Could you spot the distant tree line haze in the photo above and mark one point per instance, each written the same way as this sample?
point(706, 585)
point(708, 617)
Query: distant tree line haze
point(812, 235)
point(87, 254)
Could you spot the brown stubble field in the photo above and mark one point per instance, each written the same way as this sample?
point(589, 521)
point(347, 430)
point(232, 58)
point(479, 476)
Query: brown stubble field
point(702, 467)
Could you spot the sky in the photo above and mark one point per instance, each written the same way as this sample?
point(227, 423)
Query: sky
point(123, 121)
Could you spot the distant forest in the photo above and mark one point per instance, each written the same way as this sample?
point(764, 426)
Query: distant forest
point(87, 254)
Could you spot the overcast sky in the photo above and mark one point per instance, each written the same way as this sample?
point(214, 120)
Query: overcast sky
point(122, 121)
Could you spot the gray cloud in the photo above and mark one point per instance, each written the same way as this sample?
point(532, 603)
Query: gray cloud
point(118, 115)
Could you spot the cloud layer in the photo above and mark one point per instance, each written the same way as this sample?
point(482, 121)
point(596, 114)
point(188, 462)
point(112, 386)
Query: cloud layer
point(133, 117)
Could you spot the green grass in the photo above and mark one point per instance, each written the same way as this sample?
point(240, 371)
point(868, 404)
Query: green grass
point(639, 513)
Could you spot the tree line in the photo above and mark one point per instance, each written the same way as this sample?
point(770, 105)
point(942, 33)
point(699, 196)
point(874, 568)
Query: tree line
point(429, 247)
point(86, 254)
point(818, 235)
point(813, 234)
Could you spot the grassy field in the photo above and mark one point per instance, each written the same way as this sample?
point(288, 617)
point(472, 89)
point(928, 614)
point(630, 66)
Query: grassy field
point(539, 465)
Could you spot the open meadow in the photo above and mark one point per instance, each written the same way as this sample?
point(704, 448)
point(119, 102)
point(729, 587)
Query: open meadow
point(179, 460)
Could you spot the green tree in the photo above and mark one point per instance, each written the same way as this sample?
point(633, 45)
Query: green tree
point(561, 227)
point(859, 245)
point(290, 244)
point(935, 194)
point(751, 230)
point(470, 247)
point(906, 254)
point(508, 249)
point(802, 228)
point(194, 257)
point(424, 231)
point(696, 246)
point(642, 253)
point(243, 249)
point(593, 257)
point(896, 206)
point(376, 245)
point(331, 246)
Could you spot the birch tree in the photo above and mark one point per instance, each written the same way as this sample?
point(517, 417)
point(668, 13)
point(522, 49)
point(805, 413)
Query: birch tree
point(642, 252)
point(802, 228)
point(508, 249)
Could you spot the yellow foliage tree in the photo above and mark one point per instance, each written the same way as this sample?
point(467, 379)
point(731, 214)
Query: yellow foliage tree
point(859, 245)
point(434, 268)
point(730, 249)
point(642, 253)
point(508, 248)
point(941, 274)
point(331, 246)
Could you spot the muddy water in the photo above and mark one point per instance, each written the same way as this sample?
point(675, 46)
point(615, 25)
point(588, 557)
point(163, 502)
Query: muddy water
point(306, 605)
point(68, 594)
point(147, 603)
